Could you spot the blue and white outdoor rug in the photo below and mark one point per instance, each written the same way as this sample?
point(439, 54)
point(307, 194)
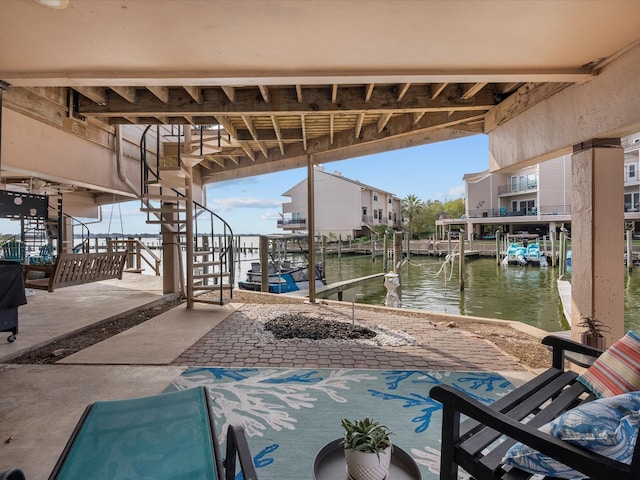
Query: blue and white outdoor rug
point(290, 414)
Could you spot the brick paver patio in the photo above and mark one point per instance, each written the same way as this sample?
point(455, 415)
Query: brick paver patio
point(240, 341)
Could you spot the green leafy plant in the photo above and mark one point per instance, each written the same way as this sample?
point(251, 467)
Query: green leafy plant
point(365, 435)
point(594, 327)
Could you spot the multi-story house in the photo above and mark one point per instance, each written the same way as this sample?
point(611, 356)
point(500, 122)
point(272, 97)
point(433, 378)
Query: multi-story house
point(535, 199)
point(343, 207)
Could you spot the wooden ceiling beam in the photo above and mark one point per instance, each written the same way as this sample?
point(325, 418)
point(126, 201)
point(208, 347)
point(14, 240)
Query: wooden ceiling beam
point(331, 129)
point(359, 123)
point(472, 90)
point(369, 91)
point(247, 149)
point(334, 93)
point(284, 101)
point(304, 133)
point(402, 91)
point(398, 127)
point(230, 92)
point(437, 89)
point(194, 92)
point(267, 134)
point(128, 93)
point(264, 91)
point(299, 93)
point(278, 132)
point(161, 93)
point(249, 123)
point(95, 94)
point(382, 121)
point(417, 116)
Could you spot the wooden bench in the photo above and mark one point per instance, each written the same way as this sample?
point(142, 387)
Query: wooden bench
point(472, 445)
point(75, 269)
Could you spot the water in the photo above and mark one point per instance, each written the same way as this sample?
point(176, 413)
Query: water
point(525, 294)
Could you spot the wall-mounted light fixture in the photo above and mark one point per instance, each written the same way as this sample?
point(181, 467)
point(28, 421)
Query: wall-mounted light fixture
point(57, 4)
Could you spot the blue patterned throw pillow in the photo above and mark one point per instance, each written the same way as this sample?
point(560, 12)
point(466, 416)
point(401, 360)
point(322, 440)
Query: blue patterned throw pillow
point(607, 426)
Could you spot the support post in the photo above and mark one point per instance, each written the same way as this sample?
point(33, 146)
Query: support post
point(397, 262)
point(498, 247)
point(629, 251)
point(385, 255)
point(264, 263)
point(170, 252)
point(597, 278)
point(461, 263)
point(552, 237)
point(190, 237)
point(311, 228)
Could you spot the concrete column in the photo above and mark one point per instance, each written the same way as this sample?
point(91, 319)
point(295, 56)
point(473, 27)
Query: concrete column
point(170, 256)
point(597, 227)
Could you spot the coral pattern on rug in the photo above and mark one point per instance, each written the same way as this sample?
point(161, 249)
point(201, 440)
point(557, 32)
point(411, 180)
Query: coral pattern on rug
point(290, 414)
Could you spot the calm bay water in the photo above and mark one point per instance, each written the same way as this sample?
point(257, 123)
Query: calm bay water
point(511, 292)
point(525, 294)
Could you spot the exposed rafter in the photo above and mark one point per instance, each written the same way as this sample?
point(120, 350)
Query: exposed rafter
point(264, 91)
point(194, 92)
point(437, 89)
point(128, 93)
point(95, 94)
point(359, 122)
point(161, 93)
point(304, 133)
point(402, 90)
point(247, 121)
point(369, 91)
point(334, 93)
point(230, 92)
point(276, 128)
point(299, 93)
point(471, 91)
point(382, 121)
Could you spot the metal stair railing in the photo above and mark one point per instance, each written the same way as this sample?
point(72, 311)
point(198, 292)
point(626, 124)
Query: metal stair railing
point(225, 253)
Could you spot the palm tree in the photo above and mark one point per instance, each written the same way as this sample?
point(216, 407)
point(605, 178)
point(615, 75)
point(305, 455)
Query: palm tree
point(411, 205)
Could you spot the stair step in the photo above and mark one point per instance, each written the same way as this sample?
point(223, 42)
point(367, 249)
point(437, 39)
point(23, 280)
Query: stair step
point(207, 264)
point(202, 253)
point(165, 198)
point(166, 183)
point(197, 276)
point(134, 270)
point(166, 209)
point(210, 287)
point(165, 222)
point(210, 301)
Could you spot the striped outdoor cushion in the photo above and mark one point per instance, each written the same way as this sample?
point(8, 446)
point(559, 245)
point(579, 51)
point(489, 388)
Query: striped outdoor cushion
point(617, 370)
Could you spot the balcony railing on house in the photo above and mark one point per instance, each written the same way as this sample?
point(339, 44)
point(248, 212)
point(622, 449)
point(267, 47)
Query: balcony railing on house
point(293, 223)
point(517, 189)
point(534, 211)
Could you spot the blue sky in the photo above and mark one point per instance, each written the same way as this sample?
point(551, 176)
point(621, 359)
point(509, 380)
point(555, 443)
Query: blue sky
point(251, 205)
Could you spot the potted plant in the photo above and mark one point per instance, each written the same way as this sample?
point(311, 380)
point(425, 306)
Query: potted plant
point(367, 449)
point(593, 335)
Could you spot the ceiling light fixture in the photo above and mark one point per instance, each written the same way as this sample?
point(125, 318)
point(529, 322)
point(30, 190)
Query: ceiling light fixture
point(57, 4)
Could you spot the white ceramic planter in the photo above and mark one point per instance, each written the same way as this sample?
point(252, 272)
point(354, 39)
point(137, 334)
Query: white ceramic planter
point(368, 466)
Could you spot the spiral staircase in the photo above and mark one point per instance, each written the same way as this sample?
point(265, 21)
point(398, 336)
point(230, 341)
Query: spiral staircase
point(167, 187)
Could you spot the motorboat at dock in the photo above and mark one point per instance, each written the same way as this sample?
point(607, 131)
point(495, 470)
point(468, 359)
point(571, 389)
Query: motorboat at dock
point(284, 273)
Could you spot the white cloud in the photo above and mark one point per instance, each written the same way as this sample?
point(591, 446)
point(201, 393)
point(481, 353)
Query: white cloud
point(271, 215)
point(226, 204)
point(456, 192)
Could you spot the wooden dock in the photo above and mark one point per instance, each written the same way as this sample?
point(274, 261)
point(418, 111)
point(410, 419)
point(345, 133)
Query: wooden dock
point(339, 287)
point(564, 289)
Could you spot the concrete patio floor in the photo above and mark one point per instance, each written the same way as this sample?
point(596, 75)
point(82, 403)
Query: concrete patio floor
point(41, 404)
